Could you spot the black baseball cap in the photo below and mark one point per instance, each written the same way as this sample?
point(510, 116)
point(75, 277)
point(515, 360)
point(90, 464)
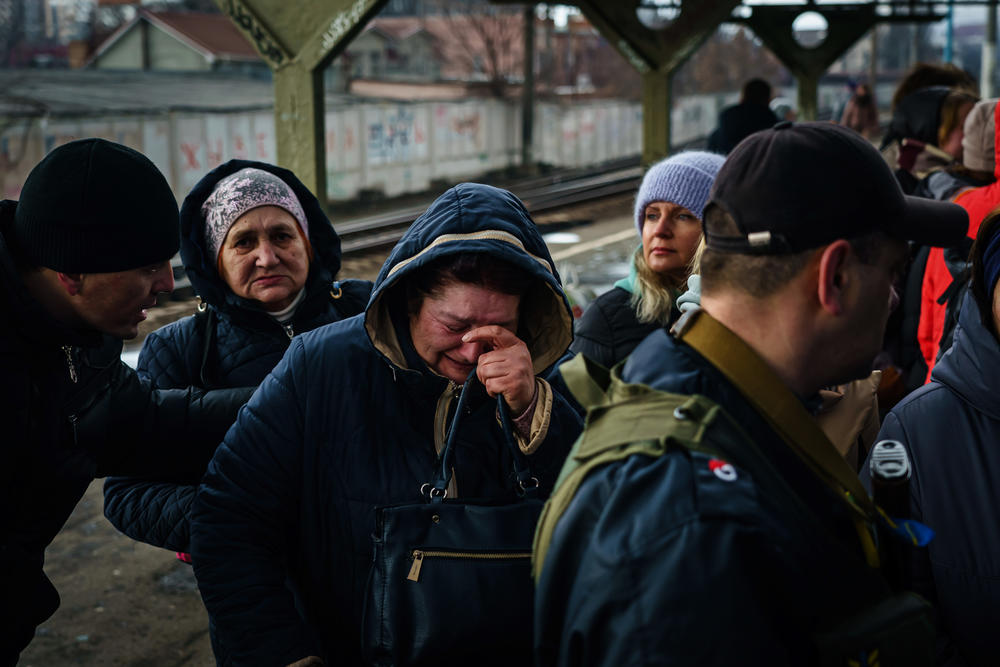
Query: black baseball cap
point(799, 186)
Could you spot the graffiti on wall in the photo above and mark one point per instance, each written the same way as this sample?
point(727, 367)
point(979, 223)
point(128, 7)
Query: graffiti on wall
point(394, 136)
point(372, 145)
point(459, 129)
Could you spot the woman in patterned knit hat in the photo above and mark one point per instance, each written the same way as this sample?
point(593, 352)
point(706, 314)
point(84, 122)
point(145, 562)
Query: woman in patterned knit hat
point(263, 258)
point(668, 212)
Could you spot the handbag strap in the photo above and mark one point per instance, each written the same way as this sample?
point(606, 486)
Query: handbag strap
point(527, 484)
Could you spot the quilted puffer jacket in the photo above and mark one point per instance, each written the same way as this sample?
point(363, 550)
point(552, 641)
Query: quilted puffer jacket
point(349, 421)
point(951, 429)
point(230, 343)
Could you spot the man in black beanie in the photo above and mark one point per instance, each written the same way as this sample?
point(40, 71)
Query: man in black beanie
point(83, 253)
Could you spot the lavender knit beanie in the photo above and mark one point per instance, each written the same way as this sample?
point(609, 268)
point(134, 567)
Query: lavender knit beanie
point(684, 178)
point(243, 191)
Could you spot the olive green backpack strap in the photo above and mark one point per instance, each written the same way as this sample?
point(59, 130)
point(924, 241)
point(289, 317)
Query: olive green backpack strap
point(587, 380)
point(622, 420)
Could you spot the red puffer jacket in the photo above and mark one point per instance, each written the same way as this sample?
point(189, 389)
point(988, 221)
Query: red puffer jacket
point(979, 202)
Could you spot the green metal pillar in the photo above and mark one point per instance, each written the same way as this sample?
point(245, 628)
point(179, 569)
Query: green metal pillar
point(808, 96)
point(299, 127)
point(528, 92)
point(655, 115)
point(656, 54)
point(773, 25)
point(298, 42)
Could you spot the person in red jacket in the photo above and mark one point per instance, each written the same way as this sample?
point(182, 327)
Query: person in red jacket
point(979, 148)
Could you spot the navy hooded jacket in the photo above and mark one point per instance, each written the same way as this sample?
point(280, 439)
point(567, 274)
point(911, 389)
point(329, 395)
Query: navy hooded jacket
point(349, 421)
point(662, 561)
point(233, 343)
point(951, 429)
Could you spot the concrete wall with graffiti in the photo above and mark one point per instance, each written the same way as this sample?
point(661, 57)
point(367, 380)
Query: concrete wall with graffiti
point(392, 148)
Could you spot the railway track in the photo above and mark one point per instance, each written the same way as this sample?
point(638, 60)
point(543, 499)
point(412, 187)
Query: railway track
point(539, 195)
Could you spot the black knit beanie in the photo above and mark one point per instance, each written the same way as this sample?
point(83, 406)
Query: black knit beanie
point(93, 206)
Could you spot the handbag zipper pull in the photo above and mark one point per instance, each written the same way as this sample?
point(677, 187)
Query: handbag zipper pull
point(68, 351)
point(418, 561)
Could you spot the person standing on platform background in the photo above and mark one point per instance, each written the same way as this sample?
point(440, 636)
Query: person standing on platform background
point(354, 418)
point(83, 253)
point(861, 113)
point(703, 517)
point(263, 258)
point(947, 268)
point(739, 121)
point(668, 210)
point(950, 428)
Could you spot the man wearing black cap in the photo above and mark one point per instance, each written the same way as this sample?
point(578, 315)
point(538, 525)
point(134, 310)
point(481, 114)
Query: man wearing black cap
point(703, 517)
point(83, 253)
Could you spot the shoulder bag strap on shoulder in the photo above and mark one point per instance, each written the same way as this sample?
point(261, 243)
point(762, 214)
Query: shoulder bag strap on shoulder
point(783, 412)
point(206, 321)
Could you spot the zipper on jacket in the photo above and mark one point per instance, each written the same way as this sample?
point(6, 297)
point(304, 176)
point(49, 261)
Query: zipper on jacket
point(289, 330)
point(68, 351)
point(420, 554)
point(72, 422)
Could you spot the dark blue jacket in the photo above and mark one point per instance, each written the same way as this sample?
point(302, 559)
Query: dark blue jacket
point(660, 561)
point(951, 429)
point(243, 344)
point(347, 422)
point(737, 122)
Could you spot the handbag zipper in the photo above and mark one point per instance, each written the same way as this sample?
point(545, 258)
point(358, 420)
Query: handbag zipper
point(420, 554)
point(68, 351)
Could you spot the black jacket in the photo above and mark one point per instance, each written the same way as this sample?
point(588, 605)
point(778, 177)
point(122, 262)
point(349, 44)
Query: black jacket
point(232, 343)
point(660, 561)
point(73, 411)
point(951, 429)
point(609, 329)
point(738, 122)
point(347, 422)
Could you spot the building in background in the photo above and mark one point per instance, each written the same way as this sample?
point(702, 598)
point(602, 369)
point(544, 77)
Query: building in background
point(179, 42)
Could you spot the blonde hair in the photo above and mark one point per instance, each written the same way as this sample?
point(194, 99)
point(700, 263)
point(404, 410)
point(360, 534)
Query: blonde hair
point(695, 266)
point(654, 294)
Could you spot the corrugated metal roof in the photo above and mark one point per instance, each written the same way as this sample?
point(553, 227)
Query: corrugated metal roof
point(34, 92)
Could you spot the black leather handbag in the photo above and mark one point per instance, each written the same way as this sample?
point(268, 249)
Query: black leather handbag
point(450, 582)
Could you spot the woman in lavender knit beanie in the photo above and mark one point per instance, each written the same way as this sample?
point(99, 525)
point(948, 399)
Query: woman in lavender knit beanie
point(668, 213)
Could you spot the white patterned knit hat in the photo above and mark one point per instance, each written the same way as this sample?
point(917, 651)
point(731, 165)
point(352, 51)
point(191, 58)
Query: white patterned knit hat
point(243, 191)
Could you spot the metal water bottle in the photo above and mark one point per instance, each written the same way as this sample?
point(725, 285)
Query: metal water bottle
point(889, 466)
